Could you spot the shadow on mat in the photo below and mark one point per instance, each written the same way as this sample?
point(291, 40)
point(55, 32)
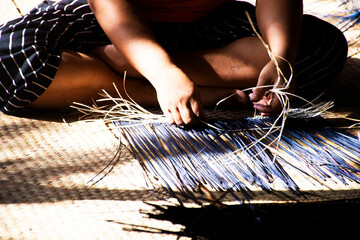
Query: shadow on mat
point(278, 221)
point(30, 193)
point(47, 184)
point(68, 116)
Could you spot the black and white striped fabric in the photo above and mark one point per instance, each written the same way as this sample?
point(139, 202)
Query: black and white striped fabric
point(31, 46)
point(322, 55)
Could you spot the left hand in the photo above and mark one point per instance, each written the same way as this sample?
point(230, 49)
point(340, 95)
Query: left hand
point(269, 104)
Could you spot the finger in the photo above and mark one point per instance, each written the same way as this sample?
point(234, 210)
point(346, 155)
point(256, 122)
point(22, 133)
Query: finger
point(264, 105)
point(260, 90)
point(187, 116)
point(169, 117)
point(241, 98)
point(167, 114)
point(198, 110)
point(176, 114)
point(263, 108)
point(269, 106)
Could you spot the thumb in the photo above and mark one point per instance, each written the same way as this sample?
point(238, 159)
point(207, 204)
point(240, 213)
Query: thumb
point(197, 109)
point(267, 77)
point(263, 85)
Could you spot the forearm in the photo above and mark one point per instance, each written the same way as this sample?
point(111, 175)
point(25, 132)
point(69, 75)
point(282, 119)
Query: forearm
point(131, 36)
point(280, 23)
point(177, 94)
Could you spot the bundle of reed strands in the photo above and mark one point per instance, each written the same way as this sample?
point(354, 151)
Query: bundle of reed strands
point(237, 154)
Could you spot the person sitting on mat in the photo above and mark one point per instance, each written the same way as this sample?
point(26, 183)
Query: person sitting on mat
point(181, 55)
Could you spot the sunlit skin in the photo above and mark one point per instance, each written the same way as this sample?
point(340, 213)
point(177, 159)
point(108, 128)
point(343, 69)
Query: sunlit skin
point(182, 83)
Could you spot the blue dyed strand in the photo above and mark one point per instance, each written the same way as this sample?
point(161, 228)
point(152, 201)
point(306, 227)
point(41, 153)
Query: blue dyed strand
point(349, 21)
point(230, 156)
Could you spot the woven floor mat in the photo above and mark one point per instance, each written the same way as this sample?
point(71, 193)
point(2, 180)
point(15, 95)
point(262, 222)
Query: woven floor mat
point(45, 167)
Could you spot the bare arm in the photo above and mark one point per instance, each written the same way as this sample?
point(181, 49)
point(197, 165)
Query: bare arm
point(177, 94)
point(280, 23)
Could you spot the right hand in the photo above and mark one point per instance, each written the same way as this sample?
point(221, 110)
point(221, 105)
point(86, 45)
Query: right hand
point(177, 94)
point(179, 99)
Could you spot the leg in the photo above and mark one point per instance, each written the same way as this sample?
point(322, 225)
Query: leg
point(81, 77)
point(236, 65)
point(218, 71)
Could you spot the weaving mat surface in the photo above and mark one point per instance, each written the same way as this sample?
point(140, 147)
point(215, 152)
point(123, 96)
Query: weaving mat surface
point(45, 166)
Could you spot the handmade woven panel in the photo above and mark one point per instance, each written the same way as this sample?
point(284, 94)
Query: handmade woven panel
point(246, 156)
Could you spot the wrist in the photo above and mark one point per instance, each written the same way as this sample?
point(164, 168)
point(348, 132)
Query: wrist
point(170, 74)
point(281, 54)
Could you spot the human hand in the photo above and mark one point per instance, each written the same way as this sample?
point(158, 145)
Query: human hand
point(263, 96)
point(179, 99)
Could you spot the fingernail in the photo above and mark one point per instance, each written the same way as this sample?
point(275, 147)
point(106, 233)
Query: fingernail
point(253, 96)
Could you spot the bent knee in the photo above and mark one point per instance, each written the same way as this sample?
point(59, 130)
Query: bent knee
point(115, 60)
point(85, 71)
point(80, 78)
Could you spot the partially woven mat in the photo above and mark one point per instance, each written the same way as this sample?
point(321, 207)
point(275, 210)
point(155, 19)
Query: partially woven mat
point(46, 164)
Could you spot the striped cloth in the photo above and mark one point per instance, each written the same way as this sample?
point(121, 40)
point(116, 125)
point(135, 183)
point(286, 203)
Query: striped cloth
point(31, 46)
